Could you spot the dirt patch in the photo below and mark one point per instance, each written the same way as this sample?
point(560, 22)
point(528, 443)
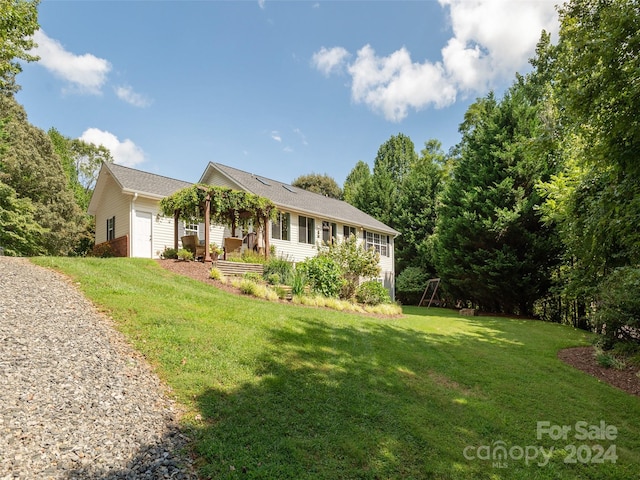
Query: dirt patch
point(197, 271)
point(583, 358)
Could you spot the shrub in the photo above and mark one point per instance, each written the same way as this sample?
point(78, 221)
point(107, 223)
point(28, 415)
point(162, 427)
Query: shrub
point(618, 313)
point(281, 292)
point(248, 287)
point(169, 253)
point(607, 360)
point(103, 251)
point(216, 274)
point(354, 261)
point(281, 267)
point(298, 282)
point(410, 285)
point(372, 292)
point(273, 279)
point(249, 256)
point(253, 276)
point(184, 255)
point(324, 275)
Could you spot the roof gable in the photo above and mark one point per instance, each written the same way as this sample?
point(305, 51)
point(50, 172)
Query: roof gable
point(145, 183)
point(131, 181)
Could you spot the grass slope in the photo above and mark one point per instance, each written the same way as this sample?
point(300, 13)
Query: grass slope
point(281, 391)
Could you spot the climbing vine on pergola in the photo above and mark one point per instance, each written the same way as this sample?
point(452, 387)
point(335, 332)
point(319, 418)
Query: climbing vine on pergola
point(220, 205)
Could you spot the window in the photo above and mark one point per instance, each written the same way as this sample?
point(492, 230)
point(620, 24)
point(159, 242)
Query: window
point(111, 228)
point(347, 231)
point(190, 228)
point(329, 232)
point(280, 226)
point(306, 230)
point(379, 242)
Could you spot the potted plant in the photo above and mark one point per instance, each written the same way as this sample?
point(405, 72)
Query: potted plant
point(215, 251)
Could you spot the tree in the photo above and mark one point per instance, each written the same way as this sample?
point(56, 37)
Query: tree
point(18, 22)
point(393, 162)
point(415, 211)
point(81, 162)
point(20, 233)
point(316, 183)
point(357, 185)
point(595, 199)
point(31, 168)
point(492, 247)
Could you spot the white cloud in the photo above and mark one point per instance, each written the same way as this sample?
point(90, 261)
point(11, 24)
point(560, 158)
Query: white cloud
point(86, 73)
point(492, 39)
point(287, 149)
point(330, 60)
point(261, 4)
point(127, 94)
point(393, 84)
point(124, 152)
point(276, 136)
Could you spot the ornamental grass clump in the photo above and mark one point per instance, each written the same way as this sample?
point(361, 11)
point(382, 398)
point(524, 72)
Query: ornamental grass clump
point(216, 274)
point(184, 255)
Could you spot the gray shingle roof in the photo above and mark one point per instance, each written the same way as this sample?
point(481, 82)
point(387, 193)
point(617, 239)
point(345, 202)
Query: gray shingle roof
point(283, 195)
point(287, 197)
point(145, 183)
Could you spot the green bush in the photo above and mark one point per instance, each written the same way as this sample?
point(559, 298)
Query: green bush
point(248, 287)
point(618, 312)
point(216, 274)
point(298, 282)
point(410, 285)
point(354, 261)
point(170, 253)
point(184, 255)
point(273, 279)
point(253, 276)
point(372, 292)
point(280, 267)
point(324, 275)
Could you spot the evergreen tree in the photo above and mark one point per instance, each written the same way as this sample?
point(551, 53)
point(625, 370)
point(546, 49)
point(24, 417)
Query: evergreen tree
point(492, 248)
point(392, 164)
point(357, 186)
point(415, 211)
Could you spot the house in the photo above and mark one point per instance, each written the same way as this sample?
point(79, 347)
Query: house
point(126, 207)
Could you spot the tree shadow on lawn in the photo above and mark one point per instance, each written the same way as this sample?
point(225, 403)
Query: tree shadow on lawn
point(370, 400)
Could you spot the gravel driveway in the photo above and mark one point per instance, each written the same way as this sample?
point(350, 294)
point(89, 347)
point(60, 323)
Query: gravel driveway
point(76, 401)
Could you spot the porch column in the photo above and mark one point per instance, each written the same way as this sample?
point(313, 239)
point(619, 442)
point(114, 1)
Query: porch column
point(265, 222)
point(207, 224)
point(176, 219)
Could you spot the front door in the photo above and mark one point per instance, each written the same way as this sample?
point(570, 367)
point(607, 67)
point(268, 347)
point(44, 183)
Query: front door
point(141, 242)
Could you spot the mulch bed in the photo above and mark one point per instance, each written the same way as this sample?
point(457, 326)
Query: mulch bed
point(582, 358)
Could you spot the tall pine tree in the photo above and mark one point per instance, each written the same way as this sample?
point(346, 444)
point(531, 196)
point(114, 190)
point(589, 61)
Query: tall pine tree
point(492, 248)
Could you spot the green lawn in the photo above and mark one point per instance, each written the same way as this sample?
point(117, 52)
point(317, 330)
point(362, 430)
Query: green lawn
point(282, 391)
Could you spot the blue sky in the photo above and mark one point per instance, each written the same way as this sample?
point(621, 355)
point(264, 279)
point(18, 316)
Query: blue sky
point(277, 88)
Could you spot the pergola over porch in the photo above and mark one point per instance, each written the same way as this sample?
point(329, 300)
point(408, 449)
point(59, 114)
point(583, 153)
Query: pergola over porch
point(222, 206)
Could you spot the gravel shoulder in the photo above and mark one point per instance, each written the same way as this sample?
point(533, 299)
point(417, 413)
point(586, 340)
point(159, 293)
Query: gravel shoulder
point(76, 401)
